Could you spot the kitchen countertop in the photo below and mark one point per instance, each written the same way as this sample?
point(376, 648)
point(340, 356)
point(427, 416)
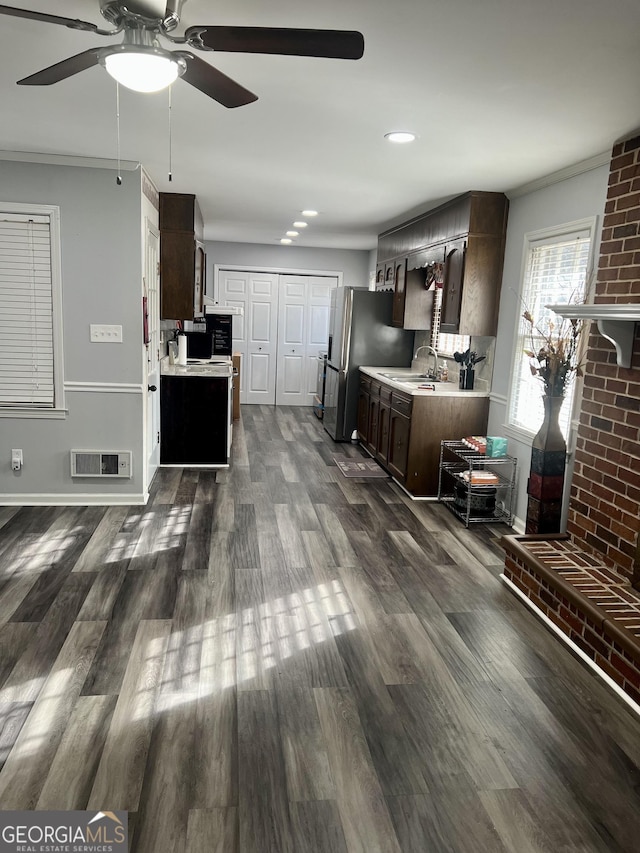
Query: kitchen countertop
point(450, 389)
point(201, 368)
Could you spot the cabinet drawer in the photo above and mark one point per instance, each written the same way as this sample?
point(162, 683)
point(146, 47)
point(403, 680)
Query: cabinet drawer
point(365, 384)
point(401, 404)
point(375, 389)
point(385, 393)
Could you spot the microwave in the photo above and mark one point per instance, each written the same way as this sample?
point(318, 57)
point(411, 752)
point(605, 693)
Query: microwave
point(199, 345)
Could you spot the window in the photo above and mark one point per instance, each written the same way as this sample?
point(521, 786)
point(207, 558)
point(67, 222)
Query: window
point(442, 342)
point(555, 271)
point(30, 310)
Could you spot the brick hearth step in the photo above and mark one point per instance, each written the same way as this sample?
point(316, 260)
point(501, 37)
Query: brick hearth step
point(594, 607)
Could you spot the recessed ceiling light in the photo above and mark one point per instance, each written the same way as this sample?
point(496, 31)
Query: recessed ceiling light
point(300, 224)
point(285, 240)
point(309, 212)
point(292, 233)
point(400, 136)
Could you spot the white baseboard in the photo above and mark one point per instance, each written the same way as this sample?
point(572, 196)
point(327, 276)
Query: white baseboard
point(95, 499)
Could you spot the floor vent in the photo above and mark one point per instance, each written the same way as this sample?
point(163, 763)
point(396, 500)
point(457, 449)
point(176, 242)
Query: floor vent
point(101, 463)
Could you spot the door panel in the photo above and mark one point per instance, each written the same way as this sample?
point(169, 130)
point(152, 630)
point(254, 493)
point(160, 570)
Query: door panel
point(254, 334)
point(258, 378)
point(284, 328)
point(303, 335)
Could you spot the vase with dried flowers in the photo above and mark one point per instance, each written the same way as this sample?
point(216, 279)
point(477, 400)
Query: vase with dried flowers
point(553, 358)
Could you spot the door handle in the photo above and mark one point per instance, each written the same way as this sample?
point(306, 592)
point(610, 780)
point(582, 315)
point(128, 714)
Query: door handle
point(152, 387)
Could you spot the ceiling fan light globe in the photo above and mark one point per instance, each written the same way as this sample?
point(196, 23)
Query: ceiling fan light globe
point(143, 71)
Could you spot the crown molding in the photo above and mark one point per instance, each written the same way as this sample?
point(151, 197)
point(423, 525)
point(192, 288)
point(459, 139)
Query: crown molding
point(68, 160)
point(588, 165)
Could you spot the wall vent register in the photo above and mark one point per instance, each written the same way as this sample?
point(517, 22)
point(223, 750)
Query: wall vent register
point(101, 463)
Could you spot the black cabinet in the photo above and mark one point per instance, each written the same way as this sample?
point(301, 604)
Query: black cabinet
point(194, 420)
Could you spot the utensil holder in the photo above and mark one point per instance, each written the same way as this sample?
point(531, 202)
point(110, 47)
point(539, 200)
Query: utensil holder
point(467, 377)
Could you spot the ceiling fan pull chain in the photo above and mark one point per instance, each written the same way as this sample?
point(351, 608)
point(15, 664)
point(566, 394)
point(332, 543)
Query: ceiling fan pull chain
point(118, 176)
point(170, 169)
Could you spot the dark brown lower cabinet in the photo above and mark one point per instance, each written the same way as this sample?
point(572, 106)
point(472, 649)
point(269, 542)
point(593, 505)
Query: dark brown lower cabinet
point(382, 444)
point(399, 432)
point(194, 420)
point(403, 432)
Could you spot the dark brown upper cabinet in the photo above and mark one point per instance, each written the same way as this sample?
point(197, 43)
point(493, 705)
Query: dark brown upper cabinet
point(182, 257)
point(463, 241)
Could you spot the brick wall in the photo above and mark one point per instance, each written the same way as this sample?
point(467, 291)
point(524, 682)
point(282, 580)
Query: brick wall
point(604, 513)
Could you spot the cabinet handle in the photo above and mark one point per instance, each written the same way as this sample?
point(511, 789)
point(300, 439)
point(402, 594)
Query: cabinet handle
point(152, 387)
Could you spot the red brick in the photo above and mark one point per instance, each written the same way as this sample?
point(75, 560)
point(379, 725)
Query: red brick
point(608, 275)
point(629, 172)
point(630, 273)
point(610, 222)
point(605, 666)
point(630, 673)
point(621, 259)
point(620, 159)
point(628, 201)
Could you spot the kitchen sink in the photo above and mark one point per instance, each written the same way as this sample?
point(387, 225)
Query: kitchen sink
point(416, 378)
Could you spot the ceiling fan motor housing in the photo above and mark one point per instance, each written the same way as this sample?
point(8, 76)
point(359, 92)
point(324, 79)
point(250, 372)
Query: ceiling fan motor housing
point(165, 12)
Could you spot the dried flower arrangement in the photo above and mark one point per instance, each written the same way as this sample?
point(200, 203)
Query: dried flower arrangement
point(554, 352)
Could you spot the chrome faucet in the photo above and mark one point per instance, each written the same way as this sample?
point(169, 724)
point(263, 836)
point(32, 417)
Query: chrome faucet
point(433, 373)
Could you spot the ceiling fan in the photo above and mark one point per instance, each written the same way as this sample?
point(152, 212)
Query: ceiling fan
point(142, 22)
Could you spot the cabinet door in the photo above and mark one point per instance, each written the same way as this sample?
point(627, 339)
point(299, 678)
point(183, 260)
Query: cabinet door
point(382, 445)
point(199, 282)
point(363, 415)
point(399, 283)
point(177, 275)
point(399, 429)
point(453, 284)
point(389, 270)
point(380, 277)
point(372, 425)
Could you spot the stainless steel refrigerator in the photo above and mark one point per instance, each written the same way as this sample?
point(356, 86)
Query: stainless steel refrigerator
point(360, 333)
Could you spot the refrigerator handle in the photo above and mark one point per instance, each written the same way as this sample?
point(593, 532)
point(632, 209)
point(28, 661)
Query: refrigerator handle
point(347, 316)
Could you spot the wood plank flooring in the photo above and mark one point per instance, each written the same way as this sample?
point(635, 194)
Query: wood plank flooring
point(276, 659)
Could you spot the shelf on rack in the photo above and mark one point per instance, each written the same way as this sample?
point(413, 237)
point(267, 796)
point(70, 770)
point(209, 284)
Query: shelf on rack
point(476, 502)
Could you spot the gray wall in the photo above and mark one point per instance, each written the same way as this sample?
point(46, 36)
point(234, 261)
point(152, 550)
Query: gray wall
point(568, 200)
point(101, 283)
point(353, 264)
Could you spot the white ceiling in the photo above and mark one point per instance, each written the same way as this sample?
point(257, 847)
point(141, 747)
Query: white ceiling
point(499, 92)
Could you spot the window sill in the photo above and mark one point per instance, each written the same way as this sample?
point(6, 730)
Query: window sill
point(19, 414)
point(522, 435)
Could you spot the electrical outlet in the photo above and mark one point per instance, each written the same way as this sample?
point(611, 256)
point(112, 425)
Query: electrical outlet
point(101, 334)
point(17, 460)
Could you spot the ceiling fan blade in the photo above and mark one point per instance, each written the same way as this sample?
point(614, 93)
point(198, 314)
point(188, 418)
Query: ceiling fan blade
point(73, 23)
point(336, 44)
point(62, 70)
point(215, 84)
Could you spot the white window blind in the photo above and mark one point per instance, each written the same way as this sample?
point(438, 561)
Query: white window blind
point(442, 342)
point(555, 273)
point(26, 312)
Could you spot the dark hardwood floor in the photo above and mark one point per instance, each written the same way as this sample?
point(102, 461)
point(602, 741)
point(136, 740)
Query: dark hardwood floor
point(276, 659)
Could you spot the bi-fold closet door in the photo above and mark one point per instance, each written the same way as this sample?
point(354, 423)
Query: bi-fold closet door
point(284, 328)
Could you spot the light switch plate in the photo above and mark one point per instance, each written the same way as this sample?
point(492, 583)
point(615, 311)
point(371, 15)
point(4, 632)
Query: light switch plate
point(102, 334)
